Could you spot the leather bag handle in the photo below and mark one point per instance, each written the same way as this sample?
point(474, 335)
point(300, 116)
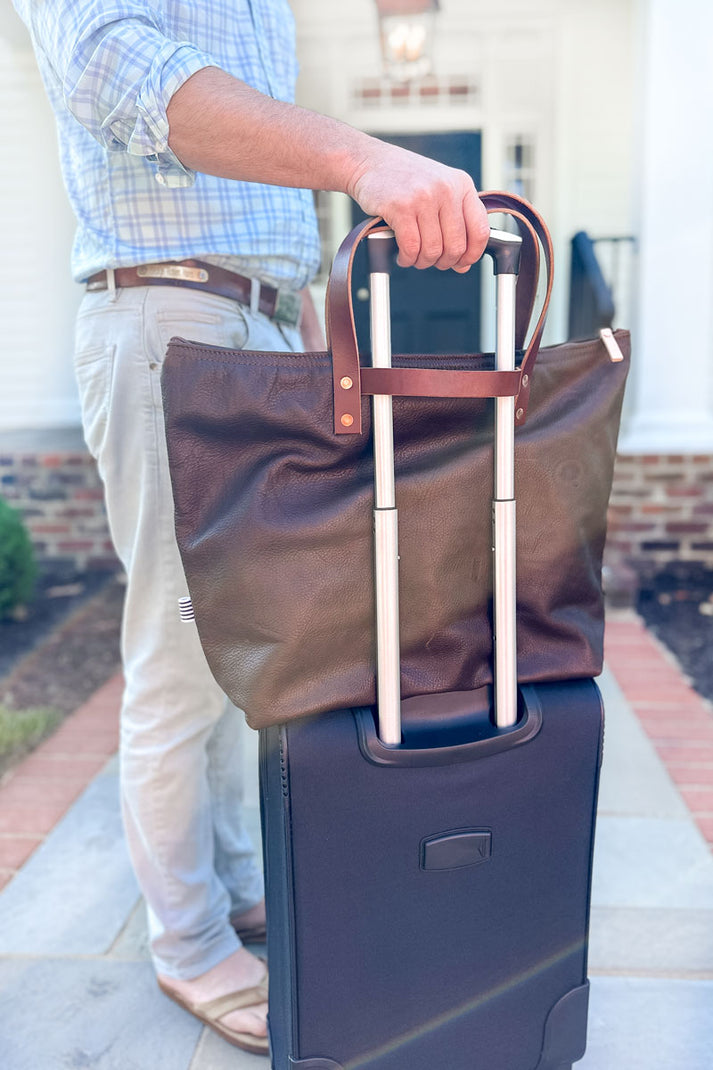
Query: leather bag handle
point(352, 381)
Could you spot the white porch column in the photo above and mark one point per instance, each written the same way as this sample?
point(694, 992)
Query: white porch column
point(672, 375)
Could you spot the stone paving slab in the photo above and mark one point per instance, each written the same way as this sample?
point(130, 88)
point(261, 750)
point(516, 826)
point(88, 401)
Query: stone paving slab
point(634, 781)
point(214, 1053)
point(644, 940)
point(75, 1014)
point(77, 890)
point(132, 944)
point(649, 1024)
point(651, 863)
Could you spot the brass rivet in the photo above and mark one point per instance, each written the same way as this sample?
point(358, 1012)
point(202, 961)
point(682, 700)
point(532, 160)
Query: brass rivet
point(347, 420)
point(346, 383)
point(525, 380)
point(520, 413)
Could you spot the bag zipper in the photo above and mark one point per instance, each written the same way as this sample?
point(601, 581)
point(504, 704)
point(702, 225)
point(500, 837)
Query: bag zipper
point(612, 346)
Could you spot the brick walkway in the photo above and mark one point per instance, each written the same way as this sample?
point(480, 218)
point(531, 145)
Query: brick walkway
point(677, 720)
point(39, 791)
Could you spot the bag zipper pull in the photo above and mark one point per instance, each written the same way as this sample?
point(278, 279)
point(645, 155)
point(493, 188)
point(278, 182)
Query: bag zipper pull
point(612, 346)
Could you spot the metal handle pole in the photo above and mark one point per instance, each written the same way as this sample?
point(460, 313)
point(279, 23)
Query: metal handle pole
point(386, 552)
point(505, 249)
point(504, 594)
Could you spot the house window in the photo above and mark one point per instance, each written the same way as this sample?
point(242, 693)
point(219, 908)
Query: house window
point(519, 174)
point(381, 92)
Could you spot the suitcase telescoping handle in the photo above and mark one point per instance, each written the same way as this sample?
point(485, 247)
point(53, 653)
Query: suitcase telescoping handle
point(505, 251)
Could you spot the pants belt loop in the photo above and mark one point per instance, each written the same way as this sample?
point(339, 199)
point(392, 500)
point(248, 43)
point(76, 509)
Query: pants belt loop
point(111, 284)
point(254, 296)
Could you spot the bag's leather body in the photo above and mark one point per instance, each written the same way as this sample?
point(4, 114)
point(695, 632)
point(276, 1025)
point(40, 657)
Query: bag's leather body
point(274, 524)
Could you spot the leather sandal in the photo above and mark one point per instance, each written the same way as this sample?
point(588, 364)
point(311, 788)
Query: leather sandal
point(212, 1012)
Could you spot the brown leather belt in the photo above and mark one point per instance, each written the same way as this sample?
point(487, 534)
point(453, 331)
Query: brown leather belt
point(285, 306)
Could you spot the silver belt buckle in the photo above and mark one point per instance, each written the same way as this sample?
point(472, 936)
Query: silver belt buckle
point(181, 272)
point(288, 308)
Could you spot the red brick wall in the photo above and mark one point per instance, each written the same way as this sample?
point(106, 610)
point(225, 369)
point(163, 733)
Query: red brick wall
point(661, 510)
point(62, 503)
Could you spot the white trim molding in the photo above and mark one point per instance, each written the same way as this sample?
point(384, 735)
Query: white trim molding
point(661, 431)
point(671, 393)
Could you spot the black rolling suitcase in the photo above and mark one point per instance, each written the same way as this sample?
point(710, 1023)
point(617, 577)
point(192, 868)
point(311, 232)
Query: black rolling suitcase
point(428, 865)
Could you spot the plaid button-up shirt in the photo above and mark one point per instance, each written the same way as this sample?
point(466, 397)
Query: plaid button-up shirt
point(110, 68)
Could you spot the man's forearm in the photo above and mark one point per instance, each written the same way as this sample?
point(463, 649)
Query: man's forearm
point(222, 126)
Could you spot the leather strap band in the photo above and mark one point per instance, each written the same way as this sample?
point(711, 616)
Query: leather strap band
point(439, 383)
point(527, 216)
point(281, 305)
point(351, 381)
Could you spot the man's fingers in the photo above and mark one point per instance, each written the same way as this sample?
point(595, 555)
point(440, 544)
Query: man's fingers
point(431, 240)
point(408, 239)
point(419, 238)
point(477, 231)
point(455, 238)
point(452, 232)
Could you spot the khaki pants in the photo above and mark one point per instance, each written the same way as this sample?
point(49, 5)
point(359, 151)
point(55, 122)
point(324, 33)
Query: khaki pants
point(180, 761)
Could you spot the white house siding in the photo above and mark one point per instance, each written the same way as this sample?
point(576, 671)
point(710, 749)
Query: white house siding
point(38, 298)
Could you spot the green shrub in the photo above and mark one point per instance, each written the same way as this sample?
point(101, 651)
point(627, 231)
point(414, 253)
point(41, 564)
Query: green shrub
point(20, 730)
point(18, 570)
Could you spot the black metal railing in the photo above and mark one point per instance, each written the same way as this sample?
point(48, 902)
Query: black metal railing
point(601, 280)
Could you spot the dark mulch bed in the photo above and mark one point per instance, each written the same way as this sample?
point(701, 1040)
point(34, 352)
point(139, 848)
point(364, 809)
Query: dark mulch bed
point(63, 650)
point(57, 594)
point(677, 605)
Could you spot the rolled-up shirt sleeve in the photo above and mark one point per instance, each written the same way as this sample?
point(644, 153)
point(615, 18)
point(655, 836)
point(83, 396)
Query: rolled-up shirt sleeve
point(118, 72)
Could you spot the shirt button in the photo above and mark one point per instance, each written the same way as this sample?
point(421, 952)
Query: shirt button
point(161, 179)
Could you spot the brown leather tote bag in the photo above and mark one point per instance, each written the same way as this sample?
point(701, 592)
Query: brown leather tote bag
point(271, 466)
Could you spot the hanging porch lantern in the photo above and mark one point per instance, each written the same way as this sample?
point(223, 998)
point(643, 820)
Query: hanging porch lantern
point(407, 29)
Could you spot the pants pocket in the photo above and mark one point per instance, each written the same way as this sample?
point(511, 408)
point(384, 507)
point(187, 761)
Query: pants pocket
point(197, 316)
point(93, 370)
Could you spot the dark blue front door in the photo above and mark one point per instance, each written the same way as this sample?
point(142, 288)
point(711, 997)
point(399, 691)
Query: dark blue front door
point(432, 311)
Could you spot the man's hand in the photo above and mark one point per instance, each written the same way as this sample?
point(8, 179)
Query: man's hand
point(435, 213)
